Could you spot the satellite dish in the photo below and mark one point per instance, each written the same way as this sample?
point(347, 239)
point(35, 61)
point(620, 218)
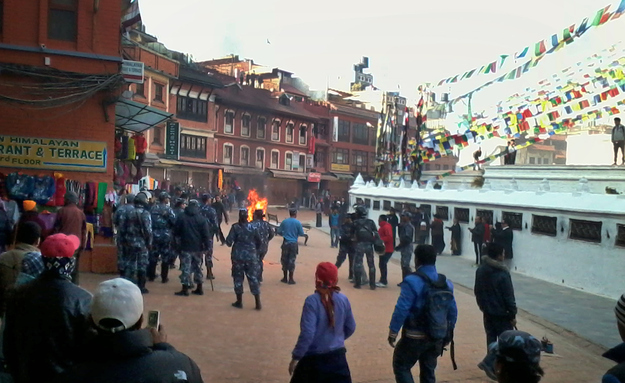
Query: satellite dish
point(127, 94)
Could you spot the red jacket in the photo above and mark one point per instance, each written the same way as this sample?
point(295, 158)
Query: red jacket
point(386, 234)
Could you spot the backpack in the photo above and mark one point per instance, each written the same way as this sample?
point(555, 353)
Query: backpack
point(438, 300)
point(365, 234)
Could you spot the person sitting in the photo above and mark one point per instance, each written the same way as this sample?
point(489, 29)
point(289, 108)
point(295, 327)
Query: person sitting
point(514, 358)
point(122, 351)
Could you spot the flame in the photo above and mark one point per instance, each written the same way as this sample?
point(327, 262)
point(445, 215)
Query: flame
point(255, 203)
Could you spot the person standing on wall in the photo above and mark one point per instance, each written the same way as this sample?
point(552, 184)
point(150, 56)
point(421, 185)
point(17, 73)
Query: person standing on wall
point(333, 221)
point(319, 212)
point(477, 237)
point(366, 233)
point(406, 233)
point(394, 222)
point(386, 234)
point(438, 240)
point(290, 229)
point(327, 321)
point(504, 237)
point(70, 220)
point(494, 294)
point(476, 159)
point(618, 140)
point(346, 244)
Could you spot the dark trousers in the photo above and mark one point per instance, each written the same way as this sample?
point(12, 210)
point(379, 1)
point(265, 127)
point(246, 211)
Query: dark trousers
point(346, 252)
point(318, 220)
point(494, 326)
point(438, 241)
point(618, 145)
point(410, 351)
point(330, 367)
point(75, 273)
point(477, 247)
point(384, 267)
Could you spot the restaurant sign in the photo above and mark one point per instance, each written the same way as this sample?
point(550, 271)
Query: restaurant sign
point(52, 154)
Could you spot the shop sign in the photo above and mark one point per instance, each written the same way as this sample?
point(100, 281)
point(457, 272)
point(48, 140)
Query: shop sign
point(132, 71)
point(52, 154)
point(339, 168)
point(314, 177)
point(172, 140)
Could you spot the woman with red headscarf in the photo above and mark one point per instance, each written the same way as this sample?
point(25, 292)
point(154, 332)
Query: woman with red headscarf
point(327, 320)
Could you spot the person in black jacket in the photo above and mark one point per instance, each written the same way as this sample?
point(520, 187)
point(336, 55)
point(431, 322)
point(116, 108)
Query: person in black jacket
point(122, 351)
point(46, 320)
point(394, 221)
point(346, 244)
point(477, 238)
point(222, 216)
point(193, 235)
point(494, 294)
point(503, 235)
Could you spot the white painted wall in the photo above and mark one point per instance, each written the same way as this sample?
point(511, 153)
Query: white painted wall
point(594, 267)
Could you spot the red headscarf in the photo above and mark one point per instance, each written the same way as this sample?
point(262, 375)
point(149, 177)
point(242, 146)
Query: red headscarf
point(326, 277)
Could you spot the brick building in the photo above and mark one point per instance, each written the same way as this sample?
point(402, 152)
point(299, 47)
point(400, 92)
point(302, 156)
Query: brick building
point(59, 79)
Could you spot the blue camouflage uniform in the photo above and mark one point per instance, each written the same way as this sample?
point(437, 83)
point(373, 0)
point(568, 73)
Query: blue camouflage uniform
point(245, 241)
point(406, 234)
point(346, 247)
point(137, 236)
point(364, 248)
point(163, 221)
point(211, 216)
point(119, 220)
point(175, 246)
point(266, 234)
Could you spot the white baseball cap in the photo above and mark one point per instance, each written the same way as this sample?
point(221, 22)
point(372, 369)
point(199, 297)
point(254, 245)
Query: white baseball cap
point(117, 299)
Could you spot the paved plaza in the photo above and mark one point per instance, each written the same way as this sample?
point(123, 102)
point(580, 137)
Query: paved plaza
point(232, 345)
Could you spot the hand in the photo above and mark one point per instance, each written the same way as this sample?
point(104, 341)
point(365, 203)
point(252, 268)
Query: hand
point(513, 322)
point(158, 336)
point(292, 366)
point(391, 341)
point(397, 248)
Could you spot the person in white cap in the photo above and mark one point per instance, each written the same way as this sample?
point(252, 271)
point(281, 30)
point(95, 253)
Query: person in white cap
point(123, 351)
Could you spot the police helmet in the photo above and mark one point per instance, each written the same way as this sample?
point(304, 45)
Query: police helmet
point(206, 197)
point(361, 211)
point(141, 199)
point(243, 214)
point(130, 198)
point(179, 202)
point(194, 203)
point(163, 196)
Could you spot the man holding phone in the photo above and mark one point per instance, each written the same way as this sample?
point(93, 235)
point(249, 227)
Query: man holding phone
point(122, 351)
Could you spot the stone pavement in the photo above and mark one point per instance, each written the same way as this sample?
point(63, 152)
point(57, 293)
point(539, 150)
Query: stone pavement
point(232, 345)
point(588, 315)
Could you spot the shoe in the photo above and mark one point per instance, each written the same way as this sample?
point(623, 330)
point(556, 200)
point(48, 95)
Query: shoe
point(259, 306)
point(380, 284)
point(614, 164)
point(357, 286)
point(284, 280)
point(198, 290)
point(372, 287)
point(291, 282)
point(210, 276)
point(239, 303)
point(184, 292)
point(488, 370)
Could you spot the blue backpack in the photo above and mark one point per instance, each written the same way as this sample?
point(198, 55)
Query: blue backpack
point(438, 300)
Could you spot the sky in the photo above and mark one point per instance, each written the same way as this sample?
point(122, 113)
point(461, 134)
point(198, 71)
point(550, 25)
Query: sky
point(408, 42)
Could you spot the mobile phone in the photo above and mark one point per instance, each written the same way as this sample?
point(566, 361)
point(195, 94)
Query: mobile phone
point(154, 319)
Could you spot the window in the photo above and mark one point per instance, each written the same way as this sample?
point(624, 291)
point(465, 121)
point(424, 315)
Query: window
point(367, 203)
point(260, 158)
point(361, 134)
point(289, 132)
point(461, 214)
point(302, 163)
point(158, 92)
point(302, 134)
point(157, 133)
point(487, 216)
point(544, 225)
point(262, 126)
point(275, 130)
point(275, 158)
point(620, 235)
point(229, 122)
point(373, 137)
point(288, 161)
point(340, 156)
point(437, 167)
point(589, 231)
point(320, 158)
point(140, 90)
point(532, 160)
point(344, 131)
point(514, 220)
point(359, 161)
point(285, 100)
point(445, 167)
point(192, 146)
point(387, 205)
point(443, 212)
point(245, 125)
point(192, 109)
point(62, 20)
point(245, 156)
point(426, 209)
point(228, 151)
point(376, 205)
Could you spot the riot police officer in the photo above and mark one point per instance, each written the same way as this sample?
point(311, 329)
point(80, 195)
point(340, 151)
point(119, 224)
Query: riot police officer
point(346, 244)
point(266, 234)
point(210, 215)
point(119, 220)
point(163, 221)
point(137, 234)
point(365, 233)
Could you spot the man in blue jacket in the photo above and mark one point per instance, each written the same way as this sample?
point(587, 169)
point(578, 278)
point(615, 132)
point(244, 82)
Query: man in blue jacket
point(290, 229)
point(416, 343)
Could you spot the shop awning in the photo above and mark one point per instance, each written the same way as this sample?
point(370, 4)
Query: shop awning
point(200, 165)
point(344, 176)
point(288, 175)
point(165, 161)
point(328, 177)
point(137, 117)
point(243, 170)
